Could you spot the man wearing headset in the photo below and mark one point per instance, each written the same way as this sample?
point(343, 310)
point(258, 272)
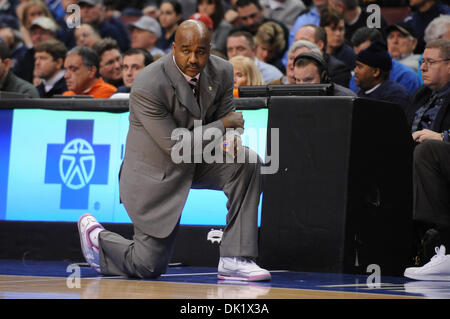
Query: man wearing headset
point(311, 68)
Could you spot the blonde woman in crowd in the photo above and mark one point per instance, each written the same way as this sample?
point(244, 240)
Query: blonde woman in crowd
point(245, 73)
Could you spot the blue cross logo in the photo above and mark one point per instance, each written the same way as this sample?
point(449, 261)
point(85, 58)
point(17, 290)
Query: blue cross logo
point(77, 164)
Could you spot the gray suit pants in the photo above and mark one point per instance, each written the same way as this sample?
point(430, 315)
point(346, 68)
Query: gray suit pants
point(147, 257)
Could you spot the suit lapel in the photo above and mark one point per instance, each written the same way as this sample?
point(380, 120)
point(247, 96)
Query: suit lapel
point(183, 91)
point(208, 88)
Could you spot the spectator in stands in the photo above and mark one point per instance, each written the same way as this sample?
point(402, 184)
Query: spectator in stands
point(93, 12)
point(356, 17)
point(215, 10)
point(399, 73)
point(49, 61)
point(245, 73)
point(312, 16)
point(424, 11)
point(429, 114)
point(170, 16)
point(151, 9)
point(29, 11)
point(9, 82)
point(401, 43)
point(439, 28)
point(334, 25)
point(134, 60)
point(241, 43)
point(42, 29)
point(431, 207)
point(110, 64)
point(145, 33)
point(338, 71)
point(13, 40)
point(372, 76)
point(251, 15)
point(311, 68)
point(82, 77)
point(270, 44)
point(296, 49)
point(286, 11)
point(86, 35)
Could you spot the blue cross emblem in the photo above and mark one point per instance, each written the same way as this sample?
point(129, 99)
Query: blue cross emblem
point(77, 164)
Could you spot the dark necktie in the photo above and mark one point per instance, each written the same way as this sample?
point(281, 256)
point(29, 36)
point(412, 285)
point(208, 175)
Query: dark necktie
point(193, 83)
point(416, 124)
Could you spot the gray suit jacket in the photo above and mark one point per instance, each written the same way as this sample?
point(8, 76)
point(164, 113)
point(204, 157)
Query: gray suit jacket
point(152, 187)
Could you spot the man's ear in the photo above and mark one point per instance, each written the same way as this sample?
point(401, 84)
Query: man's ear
point(7, 63)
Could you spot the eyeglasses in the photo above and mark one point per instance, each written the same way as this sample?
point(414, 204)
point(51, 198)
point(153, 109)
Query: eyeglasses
point(431, 62)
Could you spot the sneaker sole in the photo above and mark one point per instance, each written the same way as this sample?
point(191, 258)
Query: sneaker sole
point(251, 278)
point(428, 277)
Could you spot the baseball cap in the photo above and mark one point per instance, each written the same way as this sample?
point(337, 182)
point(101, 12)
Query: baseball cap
point(91, 2)
point(203, 18)
point(403, 28)
point(149, 24)
point(44, 23)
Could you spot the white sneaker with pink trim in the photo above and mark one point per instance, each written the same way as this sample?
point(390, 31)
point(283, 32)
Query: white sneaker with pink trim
point(86, 224)
point(241, 268)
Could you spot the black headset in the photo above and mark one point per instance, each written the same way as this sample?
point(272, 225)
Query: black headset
point(319, 61)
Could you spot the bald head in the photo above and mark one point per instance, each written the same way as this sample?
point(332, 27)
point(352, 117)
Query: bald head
point(193, 26)
point(191, 47)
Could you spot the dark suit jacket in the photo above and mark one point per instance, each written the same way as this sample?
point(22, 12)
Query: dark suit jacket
point(153, 188)
point(422, 95)
point(59, 88)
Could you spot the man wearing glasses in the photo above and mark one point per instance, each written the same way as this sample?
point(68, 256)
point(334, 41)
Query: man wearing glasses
point(430, 117)
point(429, 114)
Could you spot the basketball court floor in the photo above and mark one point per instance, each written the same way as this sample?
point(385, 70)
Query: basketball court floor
point(24, 279)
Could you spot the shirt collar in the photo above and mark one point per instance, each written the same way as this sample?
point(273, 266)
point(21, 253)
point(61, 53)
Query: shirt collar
point(372, 89)
point(51, 83)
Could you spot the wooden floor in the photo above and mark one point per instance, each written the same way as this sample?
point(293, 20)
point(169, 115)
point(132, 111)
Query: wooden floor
point(62, 280)
point(29, 287)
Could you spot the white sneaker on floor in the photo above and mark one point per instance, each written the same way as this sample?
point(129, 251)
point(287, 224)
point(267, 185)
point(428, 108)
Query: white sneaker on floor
point(438, 268)
point(240, 268)
point(86, 224)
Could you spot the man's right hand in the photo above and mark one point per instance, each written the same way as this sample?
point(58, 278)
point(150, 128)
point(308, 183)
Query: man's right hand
point(233, 120)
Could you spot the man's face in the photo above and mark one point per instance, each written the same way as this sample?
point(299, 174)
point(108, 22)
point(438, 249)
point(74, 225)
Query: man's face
point(78, 76)
point(45, 67)
point(400, 44)
point(191, 52)
point(39, 35)
point(86, 36)
point(307, 74)
point(239, 46)
point(91, 14)
point(142, 39)
point(251, 16)
point(364, 75)
point(290, 63)
point(132, 65)
point(435, 69)
point(111, 65)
